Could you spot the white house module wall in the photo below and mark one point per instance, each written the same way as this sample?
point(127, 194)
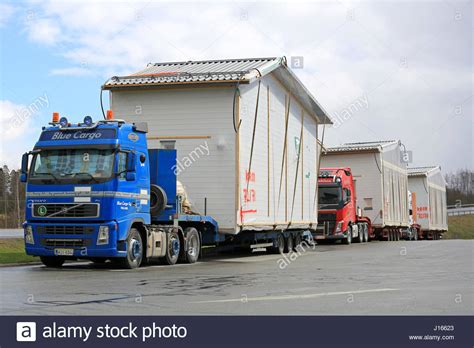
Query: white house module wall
point(279, 189)
point(380, 179)
point(200, 121)
point(430, 191)
point(262, 176)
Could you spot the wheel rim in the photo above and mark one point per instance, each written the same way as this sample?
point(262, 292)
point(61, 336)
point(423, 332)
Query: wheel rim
point(349, 236)
point(174, 246)
point(192, 246)
point(136, 249)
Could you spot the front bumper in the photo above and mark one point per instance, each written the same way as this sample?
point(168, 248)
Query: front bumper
point(76, 240)
point(325, 231)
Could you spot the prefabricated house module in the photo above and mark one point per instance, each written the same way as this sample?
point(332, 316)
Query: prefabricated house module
point(428, 189)
point(380, 179)
point(246, 133)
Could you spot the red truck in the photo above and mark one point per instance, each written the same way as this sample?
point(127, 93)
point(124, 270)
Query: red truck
point(339, 218)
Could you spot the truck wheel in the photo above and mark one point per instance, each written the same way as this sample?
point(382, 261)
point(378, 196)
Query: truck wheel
point(298, 241)
point(279, 248)
point(360, 237)
point(348, 239)
point(172, 249)
point(193, 245)
point(52, 261)
point(134, 250)
point(289, 245)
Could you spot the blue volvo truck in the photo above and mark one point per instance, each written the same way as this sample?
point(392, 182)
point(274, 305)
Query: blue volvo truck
point(95, 191)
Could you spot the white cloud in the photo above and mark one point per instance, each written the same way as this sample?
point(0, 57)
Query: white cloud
point(18, 129)
point(45, 31)
point(74, 71)
point(6, 13)
point(411, 59)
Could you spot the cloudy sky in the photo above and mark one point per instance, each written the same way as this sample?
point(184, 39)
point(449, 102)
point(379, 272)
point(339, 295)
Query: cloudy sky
point(383, 70)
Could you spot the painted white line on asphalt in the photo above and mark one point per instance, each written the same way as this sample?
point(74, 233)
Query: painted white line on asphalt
point(297, 297)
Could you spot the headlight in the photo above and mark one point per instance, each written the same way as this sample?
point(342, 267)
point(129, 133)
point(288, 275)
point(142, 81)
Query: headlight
point(29, 235)
point(339, 226)
point(103, 236)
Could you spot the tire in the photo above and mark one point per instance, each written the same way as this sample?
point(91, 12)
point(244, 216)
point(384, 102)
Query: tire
point(289, 245)
point(348, 240)
point(360, 238)
point(280, 244)
point(158, 200)
point(52, 261)
point(193, 245)
point(173, 248)
point(135, 251)
point(415, 237)
point(298, 241)
point(366, 233)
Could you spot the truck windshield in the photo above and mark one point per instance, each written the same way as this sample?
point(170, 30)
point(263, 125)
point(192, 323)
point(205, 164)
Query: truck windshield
point(329, 195)
point(73, 165)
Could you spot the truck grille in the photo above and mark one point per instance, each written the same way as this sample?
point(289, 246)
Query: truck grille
point(65, 229)
point(66, 210)
point(65, 243)
point(330, 219)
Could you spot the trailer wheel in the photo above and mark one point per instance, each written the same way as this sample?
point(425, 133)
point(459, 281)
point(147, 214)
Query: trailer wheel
point(289, 245)
point(279, 248)
point(193, 245)
point(298, 241)
point(173, 248)
point(134, 256)
point(52, 261)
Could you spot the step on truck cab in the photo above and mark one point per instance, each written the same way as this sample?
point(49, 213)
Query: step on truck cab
point(95, 191)
point(339, 218)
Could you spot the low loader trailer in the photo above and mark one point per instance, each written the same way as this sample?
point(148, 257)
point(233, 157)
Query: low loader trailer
point(96, 191)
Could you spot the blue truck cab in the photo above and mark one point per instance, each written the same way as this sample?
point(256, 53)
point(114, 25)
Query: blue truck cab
point(95, 191)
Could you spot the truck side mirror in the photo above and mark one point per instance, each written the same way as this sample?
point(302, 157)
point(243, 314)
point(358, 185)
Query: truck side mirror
point(131, 162)
point(24, 167)
point(130, 176)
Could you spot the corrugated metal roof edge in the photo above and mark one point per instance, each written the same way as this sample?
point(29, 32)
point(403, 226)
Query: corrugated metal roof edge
point(376, 146)
point(318, 110)
point(422, 171)
point(211, 61)
point(275, 63)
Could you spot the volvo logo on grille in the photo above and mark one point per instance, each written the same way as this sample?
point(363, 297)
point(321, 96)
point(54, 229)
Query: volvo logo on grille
point(42, 210)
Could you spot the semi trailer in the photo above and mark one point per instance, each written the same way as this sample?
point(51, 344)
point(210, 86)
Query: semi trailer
point(381, 183)
point(339, 216)
point(96, 191)
point(245, 135)
point(429, 212)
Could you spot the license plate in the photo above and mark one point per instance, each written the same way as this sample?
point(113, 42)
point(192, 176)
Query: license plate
point(64, 252)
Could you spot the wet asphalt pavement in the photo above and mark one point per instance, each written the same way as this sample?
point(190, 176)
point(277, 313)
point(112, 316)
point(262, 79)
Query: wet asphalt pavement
point(424, 277)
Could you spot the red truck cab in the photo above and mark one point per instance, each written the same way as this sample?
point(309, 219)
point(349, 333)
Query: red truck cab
point(338, 216)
